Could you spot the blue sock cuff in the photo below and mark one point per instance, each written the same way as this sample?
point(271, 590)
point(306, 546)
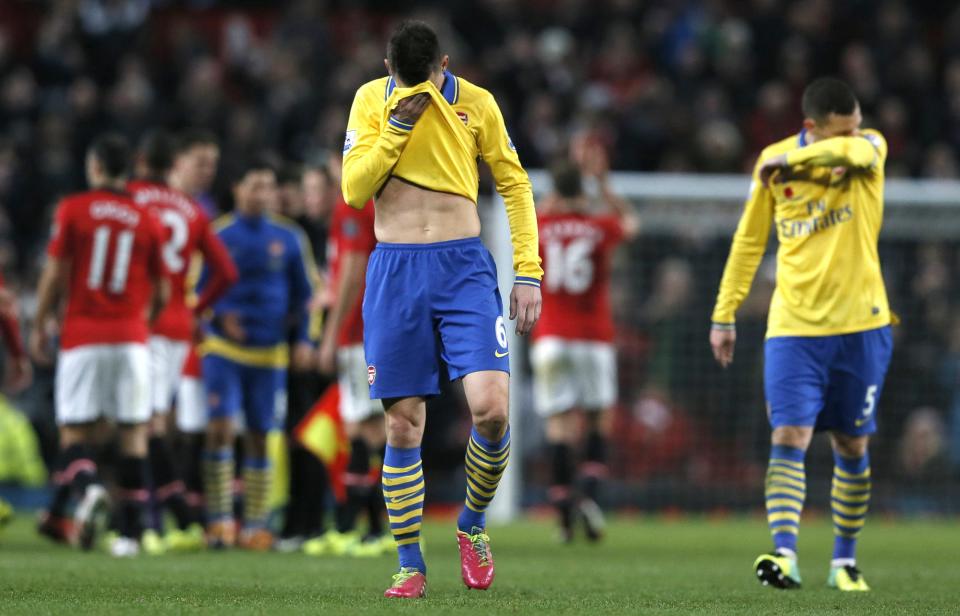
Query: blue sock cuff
point(786, 452)
point(257, 464)
point(218, 455)
point(852, 465)
point(488, 445)
point(401, 456)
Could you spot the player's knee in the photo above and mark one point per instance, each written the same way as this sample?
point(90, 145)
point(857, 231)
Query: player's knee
point(850, 446)
point(403, 430)
point(219, 434)
point(798, 437)
point(490, 415)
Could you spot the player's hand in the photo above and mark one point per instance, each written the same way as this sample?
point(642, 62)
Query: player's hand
point(722, 341)
point(525, 303)
point(409, 109)
point(230, 323)
point(39, 344)
point(771, 167)
point(19, 375)
point(302, 357)
point(327, 355)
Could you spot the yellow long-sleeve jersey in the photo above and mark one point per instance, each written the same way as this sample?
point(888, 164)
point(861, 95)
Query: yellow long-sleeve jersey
point(827, 207)
point(463, 123)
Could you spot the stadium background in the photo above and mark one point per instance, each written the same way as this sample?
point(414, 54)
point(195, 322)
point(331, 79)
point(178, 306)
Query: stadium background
point(696, 87)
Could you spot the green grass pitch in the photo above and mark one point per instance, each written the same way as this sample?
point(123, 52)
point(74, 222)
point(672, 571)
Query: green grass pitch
point(687, 566)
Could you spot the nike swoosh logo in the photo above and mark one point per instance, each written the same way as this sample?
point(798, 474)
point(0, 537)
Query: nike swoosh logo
point(860, 422)
point(499, 354)
point(396, 500)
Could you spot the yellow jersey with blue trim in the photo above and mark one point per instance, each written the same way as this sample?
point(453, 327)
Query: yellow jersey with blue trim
point(440, 152)
point(827, 208)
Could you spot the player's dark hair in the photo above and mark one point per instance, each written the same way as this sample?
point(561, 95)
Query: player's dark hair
point(828, 95)
point(566, 179)
point(156, 147)
point(413, 52)
point(254, 164)
point(191, 137)
point(112, 151)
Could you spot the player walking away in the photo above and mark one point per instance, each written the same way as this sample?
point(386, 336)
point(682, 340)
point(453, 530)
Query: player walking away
point(413, 140)
point(341, 351)
point(188, 232)
point(195, 160)
point(573, 356)
point(245, 353)
point(828, 335)
point(105, 258)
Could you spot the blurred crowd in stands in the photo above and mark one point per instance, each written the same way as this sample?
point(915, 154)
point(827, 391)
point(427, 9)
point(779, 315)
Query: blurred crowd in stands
point(690, 85)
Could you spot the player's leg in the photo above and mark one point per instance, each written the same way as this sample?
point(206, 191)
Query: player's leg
point(795, 378)
point(130, 407)
point(132, 494)
point(264, 404)
point(403, 491)
point(555, 397)
point(488, 452)
point(469, 311)
point(191, 433)
point(166, 361)
point(596, 370)
point(856, 382)
point(221, 378)
point(402, 369)
point(79, 393)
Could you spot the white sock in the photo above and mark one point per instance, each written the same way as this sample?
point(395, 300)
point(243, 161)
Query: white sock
point(843, 562)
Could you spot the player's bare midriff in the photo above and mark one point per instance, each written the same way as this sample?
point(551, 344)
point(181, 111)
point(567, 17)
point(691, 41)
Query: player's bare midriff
point(409, 214)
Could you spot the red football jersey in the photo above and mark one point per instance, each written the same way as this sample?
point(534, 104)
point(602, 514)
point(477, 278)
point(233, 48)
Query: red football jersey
point(187, 231)
point(576, 249)
point(351, 230)
point(113, 245)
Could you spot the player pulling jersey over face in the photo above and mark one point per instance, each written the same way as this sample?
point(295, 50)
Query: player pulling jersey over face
point(412, 143)
point(828, 336)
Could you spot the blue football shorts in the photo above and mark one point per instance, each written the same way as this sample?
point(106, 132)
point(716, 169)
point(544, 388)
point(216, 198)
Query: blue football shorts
point(827, 382)
point(427, 303)
point(259, 393)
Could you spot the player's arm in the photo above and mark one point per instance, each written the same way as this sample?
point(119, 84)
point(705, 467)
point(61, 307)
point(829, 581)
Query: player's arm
point(512, 183)
point(746, 251)
point(52, 282)
point(596, 163)
point(866, 150)
point(369, 155)
point(221, 271)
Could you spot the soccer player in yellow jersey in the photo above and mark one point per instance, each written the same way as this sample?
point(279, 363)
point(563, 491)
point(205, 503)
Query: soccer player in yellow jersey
point(412, 143)
point(828, 335)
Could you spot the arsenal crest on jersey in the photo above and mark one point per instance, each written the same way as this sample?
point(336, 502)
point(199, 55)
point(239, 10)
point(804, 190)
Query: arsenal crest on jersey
point(463, 117)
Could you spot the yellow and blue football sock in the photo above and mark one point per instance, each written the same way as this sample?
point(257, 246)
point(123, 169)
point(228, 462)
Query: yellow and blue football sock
point(786, 489)
point(218, 483)
point(403, 492)
point(256, 492)
point(849, 501)
point(485, 462)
